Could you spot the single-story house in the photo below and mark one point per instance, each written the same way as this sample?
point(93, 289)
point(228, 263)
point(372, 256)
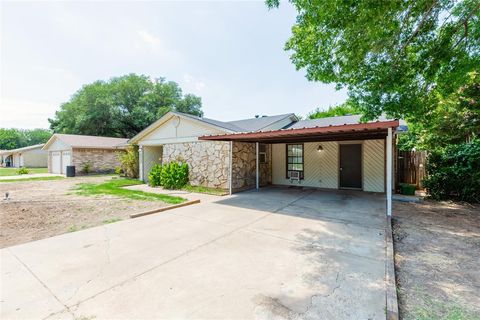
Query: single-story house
point(30, 157)
point(332, 153)
point(95, 154)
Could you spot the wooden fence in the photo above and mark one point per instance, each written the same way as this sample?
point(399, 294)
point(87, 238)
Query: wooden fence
point(411, 167)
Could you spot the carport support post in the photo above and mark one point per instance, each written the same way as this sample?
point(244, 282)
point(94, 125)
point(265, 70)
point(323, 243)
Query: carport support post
point(257, 180)
point(230, 169)
point(389, 172)
point(140, 163)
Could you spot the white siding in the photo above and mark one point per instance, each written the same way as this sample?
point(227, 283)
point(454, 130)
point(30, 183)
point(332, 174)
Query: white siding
point(374, 165)
point(58, 145)
point(186, 131)
point(321, 168)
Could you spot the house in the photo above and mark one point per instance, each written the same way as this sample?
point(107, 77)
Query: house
point(332, 153)
point(30, 157)
point(86, 153)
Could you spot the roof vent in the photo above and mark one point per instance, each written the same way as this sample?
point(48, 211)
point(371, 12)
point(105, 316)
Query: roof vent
point(263, 116)
point(257, 116)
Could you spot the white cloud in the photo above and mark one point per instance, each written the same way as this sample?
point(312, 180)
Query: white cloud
point(193, 83)
point(25, 114)
point(149, 38)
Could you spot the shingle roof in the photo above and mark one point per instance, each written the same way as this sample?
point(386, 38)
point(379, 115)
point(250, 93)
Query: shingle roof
point(80, 141)
point(22, 149)
point(244, 125)
point(256, 124)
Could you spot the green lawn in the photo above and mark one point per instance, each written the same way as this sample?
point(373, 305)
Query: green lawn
point(114, 187)
point(13, 171)
point(207, 190)
point(27, 178)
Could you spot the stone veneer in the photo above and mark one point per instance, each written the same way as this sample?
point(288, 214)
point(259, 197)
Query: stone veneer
point(208, 161)
point(101, 160)
point(244, 163)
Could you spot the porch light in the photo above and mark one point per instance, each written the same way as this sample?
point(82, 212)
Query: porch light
point(320, 148)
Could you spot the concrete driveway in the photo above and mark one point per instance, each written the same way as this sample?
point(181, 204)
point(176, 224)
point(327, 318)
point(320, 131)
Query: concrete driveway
point(274, 254)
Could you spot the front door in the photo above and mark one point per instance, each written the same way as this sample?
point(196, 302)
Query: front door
point(351, 166)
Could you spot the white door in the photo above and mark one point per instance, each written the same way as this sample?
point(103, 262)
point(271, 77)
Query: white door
point(56, 162)
point(65, 161)
point(22, 162)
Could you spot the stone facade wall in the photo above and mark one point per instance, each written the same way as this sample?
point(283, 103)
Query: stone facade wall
point(244, 163)
point(101, 160)
point(208, 161)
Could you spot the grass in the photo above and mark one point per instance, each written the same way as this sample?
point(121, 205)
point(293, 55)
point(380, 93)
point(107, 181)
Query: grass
point(111, 220)
point(32, 179)
point(75, 228)
point(115, 186)
point(207, 190)
point(14, 171)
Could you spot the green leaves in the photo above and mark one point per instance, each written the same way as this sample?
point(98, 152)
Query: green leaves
point(18, 138)
point(122, 106)
point(392, 56)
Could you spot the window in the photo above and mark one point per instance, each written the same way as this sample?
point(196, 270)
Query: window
point(295, 159)
point(262, 153)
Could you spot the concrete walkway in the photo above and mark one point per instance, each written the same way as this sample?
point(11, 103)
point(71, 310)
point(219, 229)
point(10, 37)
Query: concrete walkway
point(272, 254)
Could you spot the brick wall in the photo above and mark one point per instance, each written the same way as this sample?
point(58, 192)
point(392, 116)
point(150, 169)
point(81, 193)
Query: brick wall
point(101, 160)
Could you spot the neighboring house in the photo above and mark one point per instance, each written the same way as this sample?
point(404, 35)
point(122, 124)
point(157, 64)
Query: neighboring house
point(30, 157)
point(100, 154)
point(332, 153)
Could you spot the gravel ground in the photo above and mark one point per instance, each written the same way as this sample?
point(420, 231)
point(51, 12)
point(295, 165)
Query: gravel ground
point(437, 258)
point(41, 209)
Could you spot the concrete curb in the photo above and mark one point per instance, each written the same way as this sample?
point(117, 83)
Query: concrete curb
point(145, 213)
point(391, 311)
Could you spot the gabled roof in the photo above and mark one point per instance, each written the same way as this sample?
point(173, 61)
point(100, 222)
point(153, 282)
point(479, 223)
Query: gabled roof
point(90, 142)
point(253, 124)
point(257, 124)
point(36, 146)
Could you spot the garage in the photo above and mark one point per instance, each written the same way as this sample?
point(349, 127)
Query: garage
point(66, 156)
point(56, 162)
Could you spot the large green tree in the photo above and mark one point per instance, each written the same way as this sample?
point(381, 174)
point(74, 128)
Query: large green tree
point(395, 56)
point(344, 109)
point(18, 138)
point(122, 106)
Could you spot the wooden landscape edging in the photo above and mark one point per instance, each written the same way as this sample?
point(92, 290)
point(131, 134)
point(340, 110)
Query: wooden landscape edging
point(391, 288)
point(141, 214)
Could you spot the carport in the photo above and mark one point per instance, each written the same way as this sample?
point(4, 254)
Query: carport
point(357, 156)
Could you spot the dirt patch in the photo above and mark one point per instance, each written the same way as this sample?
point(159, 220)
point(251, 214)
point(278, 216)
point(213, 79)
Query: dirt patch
point(437, 258)
point(41, 209)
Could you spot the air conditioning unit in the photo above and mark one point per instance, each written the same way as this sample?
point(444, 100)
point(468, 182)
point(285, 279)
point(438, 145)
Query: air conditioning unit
point(294, 176)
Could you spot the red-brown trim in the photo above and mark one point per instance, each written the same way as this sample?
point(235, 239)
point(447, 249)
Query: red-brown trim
point(274, 135)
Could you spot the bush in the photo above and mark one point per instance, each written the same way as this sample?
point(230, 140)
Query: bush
point(87, 167)
point(129, 161)
point(154, 177)
point(454, 172)
point(174, 175)
point(23, 171)
point(118, 170)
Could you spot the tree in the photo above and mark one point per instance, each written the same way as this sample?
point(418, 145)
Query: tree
point(122, 106)
point(19, 138)
point(344, 109)
point(394, 56)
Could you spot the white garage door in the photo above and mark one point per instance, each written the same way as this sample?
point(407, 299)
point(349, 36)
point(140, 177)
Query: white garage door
point(65, 160)
point(56, 162)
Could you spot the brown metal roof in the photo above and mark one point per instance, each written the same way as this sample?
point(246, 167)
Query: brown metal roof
point(358, 131)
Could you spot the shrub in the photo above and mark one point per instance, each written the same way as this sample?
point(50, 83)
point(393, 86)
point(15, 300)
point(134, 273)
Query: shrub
point(174, 175)
point(129, 161)
point(454, 172)
point(118, 170)
point(23, 171)
point(87, 167)
point(154, 177)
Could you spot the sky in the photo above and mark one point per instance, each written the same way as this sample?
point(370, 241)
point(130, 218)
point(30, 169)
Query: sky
point(228, 53)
